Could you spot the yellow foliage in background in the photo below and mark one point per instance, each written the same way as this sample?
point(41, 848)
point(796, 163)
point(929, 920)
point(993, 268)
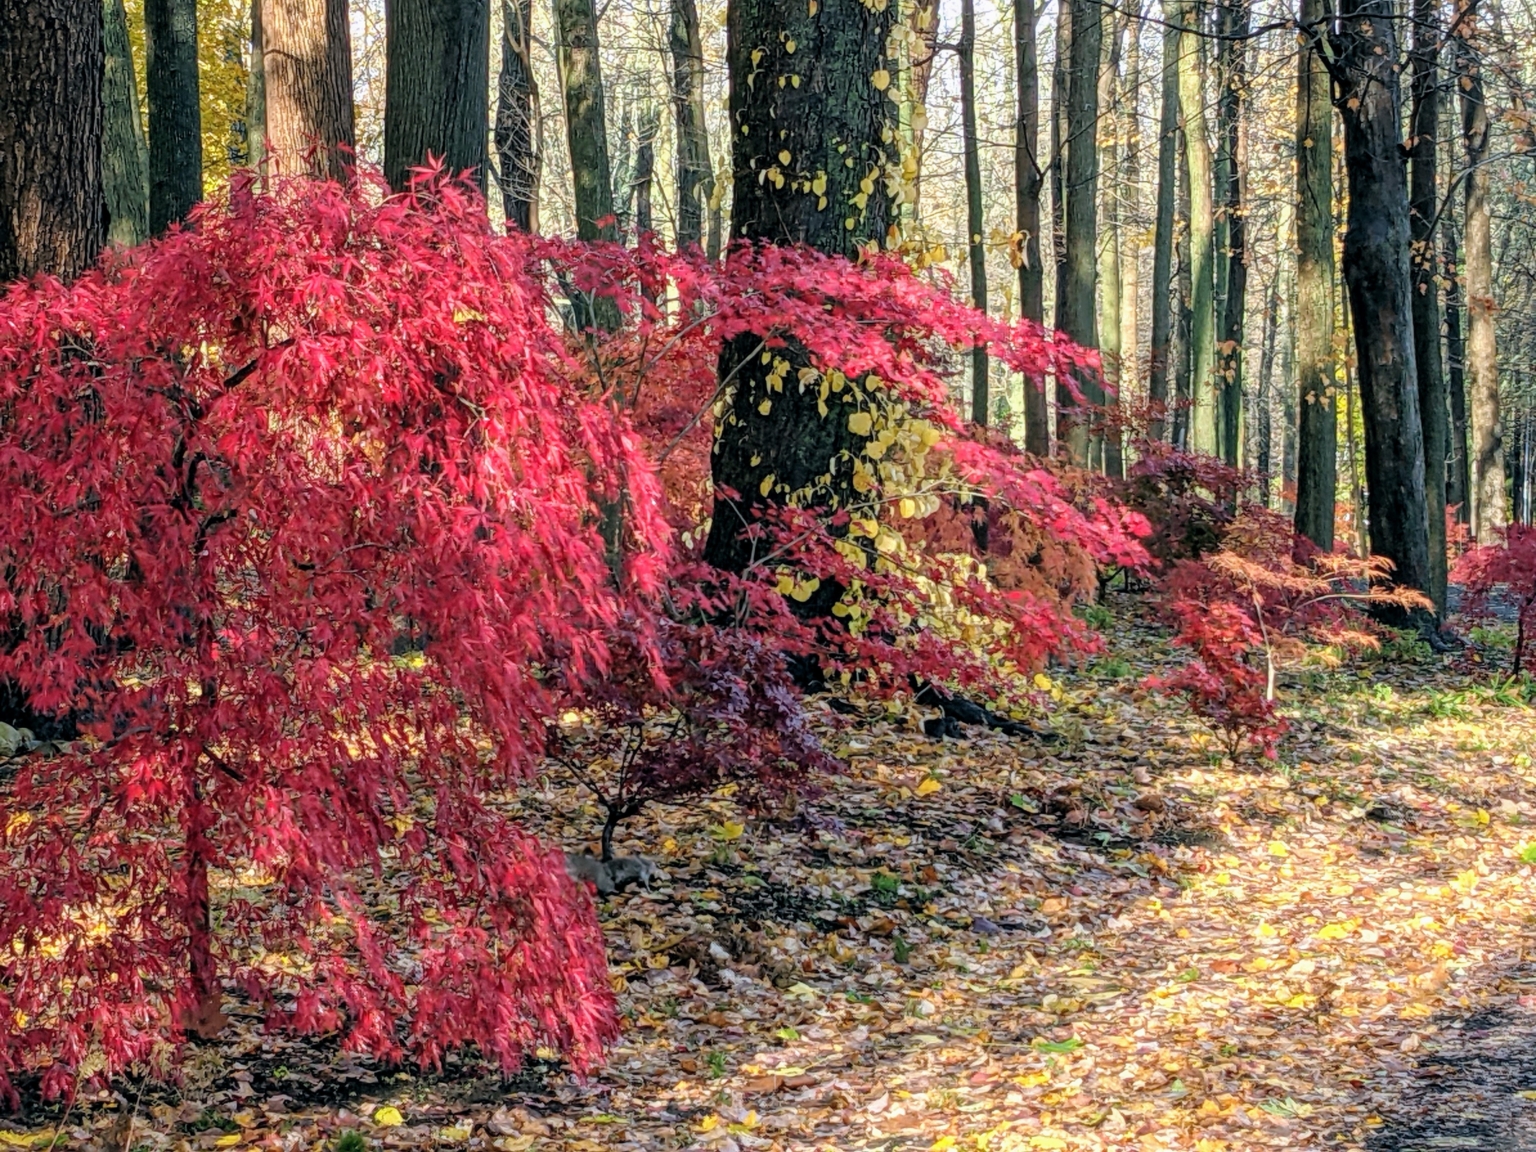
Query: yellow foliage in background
point(223, 43)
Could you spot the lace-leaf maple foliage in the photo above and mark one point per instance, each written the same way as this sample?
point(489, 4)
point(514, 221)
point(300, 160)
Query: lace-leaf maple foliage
point(234, 467)
point(239, 466)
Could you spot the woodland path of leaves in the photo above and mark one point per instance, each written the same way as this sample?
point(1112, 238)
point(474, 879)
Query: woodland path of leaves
point(1110, 941)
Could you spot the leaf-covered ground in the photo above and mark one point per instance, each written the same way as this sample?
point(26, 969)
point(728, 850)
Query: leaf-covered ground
point(1113, 940)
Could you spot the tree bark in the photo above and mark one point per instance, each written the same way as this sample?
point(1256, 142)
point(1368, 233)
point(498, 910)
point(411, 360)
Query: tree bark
point(256, 95)
point(124, 152)
point(695, 175)
point(175, 112)
point(1458, 484)
point(306, 64)
point(1317, 424)
point(1160, 355)
point(1265, 399)
point(1490, 511)
point(810, 162)
point(1183, 315)
point(517, 119)
point(645, 168)
point(1233, 20)
point(1061, 83)
point(975, 226)
point(1106, 444)
point(924, 25)
point(1079, 318)
point(436, 87)
point(1202, 214)
point(1130, 241)
point(586, 121)
point(1424, 207)
point(1028, 180)
point(1380, 281)
point(52, 203)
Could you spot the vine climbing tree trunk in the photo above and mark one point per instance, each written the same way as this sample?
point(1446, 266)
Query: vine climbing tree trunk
point(517, 119)
point(803, 155)
point(51, 197)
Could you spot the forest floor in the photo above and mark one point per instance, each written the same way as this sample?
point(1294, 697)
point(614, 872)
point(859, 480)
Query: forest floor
point(1113, 940)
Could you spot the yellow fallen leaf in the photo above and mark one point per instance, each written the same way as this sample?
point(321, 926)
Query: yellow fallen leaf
point(709, 1123)
point(942, 1144)
point(1278, 848)
point(455, 1135)
point(388, 1117)
point(228, 1141)
point(730, 830)
point(929, 786)
point(1267, 932)
point(1528, 1094)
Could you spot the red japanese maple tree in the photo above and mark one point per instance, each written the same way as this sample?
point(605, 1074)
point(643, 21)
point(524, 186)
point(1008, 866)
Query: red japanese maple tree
point(315, 527)
point(1507, 570)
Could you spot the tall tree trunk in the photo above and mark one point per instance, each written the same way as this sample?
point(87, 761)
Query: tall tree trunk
point(975, 226)
point(1078, 312)
point(517, 118)
point(52, 204)
point(1130, 240)
point(175, 112)
point(1183, 314)
point(1028, 180)
point(1380, 280)
point(436, 87)
point(1160, 356)
point(1423, 208)
point(586, 120)
point(1233, 20)
point(647, 126)
point(1106, 445)
point(1265, 404)
point(306, 65)
point(124, 153)
point(1061, 84)
point(1202, 215)
point(1317, 423)
point(256, 96)
point(1490, 513)
point(1458, 485)
point(695, 176)
point(833, 128)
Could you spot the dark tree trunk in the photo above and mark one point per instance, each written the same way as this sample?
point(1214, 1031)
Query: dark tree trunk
point(808, 162)
point(695, 175)
point(1105, 451)
point(1028, 181)
point(436, 87)
point(256, 95)
point(974, 224)
point(1380, 280)
point(586, 119)
point(1233, 20)
point(517, 119)
point(1160, 358)
point(1184, 290)
point(1266, 396)
point(52, 204)
point(1079, 313)
point(306, 66)
point(1458, 484)
point(1317, 423)
point(1061, 84)
point(1423, 207)
point(645, 169)
point(175, 112)
point(124, 153)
